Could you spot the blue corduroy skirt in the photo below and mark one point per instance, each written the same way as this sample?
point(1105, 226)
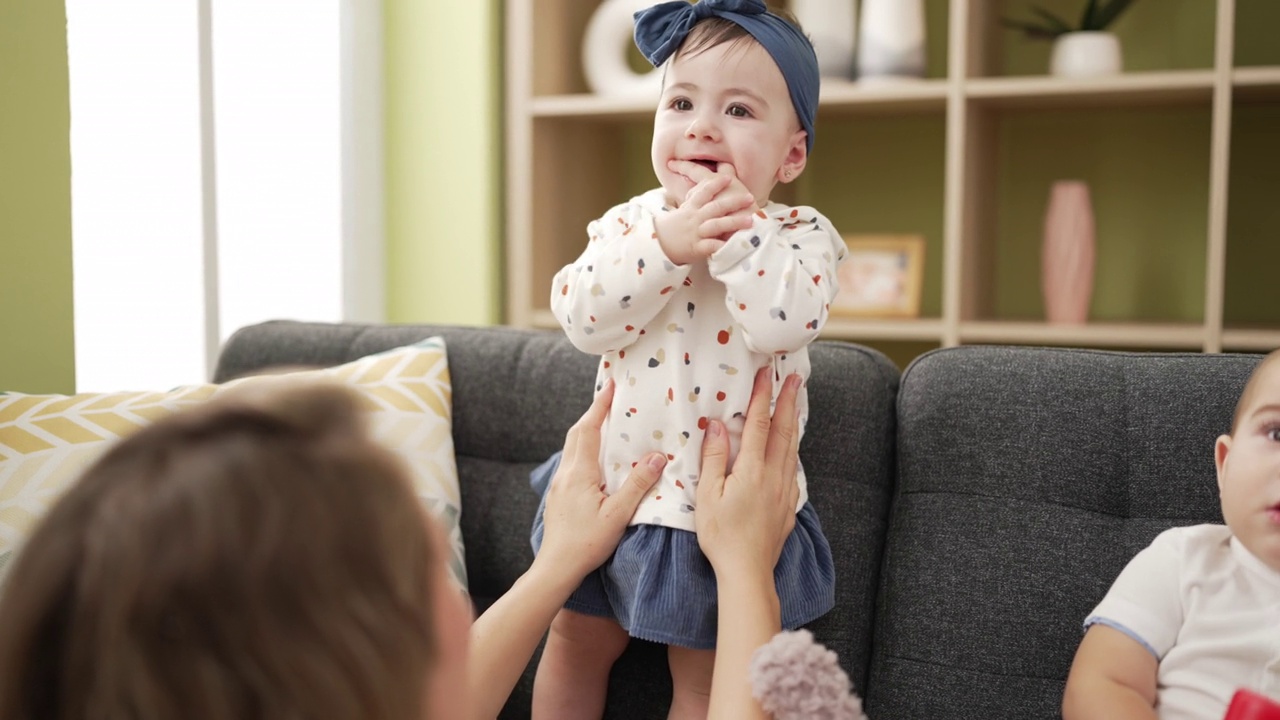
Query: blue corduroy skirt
point(659, 586)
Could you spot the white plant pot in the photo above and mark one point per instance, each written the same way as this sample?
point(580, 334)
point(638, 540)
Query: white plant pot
point(832, 25)
point(1086, 55)
point(891, 40)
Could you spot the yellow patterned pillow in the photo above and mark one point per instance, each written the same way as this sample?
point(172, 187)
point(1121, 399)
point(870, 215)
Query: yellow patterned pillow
point(46, 441)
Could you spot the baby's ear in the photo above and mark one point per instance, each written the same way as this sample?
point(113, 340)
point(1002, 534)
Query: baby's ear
point(796, 159)
point(1221, 449)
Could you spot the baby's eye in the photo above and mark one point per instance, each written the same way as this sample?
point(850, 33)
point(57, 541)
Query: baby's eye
point(1273, 433)
point(682, 104)
point(739, 111)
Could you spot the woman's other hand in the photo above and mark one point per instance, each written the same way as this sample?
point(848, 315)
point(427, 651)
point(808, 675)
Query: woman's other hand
point(744, 517)
point(582, 524)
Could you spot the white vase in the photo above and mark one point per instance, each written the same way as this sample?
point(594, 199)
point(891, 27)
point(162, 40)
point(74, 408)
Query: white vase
point(891, 40)
point(832, 26)
point(1086, 54)
point(1067, 256)
point(605, 46)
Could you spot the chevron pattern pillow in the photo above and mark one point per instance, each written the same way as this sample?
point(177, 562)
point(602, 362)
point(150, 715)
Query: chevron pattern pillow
point(46, 441)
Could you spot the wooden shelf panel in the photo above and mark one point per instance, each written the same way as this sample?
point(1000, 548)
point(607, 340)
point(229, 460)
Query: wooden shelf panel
point(893, 96)
point(587, 105)
point(925, 330)
point(906, 96)
point(1251, 339)
point(1131, 335)
point(1256, 83)
point(1183, 87)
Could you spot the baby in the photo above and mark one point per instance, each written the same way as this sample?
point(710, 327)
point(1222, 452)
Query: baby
point(685, 292)
point(1196, 615)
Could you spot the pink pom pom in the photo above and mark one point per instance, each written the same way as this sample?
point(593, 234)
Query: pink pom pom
point(795, 678)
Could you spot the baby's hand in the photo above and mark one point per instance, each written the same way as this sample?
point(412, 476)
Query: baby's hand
point(716, 207)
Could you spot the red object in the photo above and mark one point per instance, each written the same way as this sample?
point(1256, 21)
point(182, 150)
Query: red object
point(1246, 705)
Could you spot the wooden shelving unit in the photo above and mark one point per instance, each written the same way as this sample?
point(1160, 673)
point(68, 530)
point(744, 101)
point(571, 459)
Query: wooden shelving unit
point(980, 142)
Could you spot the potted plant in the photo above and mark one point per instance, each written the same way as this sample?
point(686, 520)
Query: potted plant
point(1082, 50)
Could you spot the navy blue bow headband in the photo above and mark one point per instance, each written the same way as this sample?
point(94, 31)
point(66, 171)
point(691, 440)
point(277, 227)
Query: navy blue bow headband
point(662, 28)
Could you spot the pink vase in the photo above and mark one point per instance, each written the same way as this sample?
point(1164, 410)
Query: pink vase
point(1066, 260)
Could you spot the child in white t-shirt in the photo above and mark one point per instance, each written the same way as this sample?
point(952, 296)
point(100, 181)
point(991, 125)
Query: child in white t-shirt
point(1196, 615)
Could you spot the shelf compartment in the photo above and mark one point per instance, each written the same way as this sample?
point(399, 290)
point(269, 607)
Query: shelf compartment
point(1185, 87)
point(874, 175)
point(1255, 32)
point(1148, 173)
point(1160, 36)
point(1250, 286)
point(565, 198)
point(1115, 335)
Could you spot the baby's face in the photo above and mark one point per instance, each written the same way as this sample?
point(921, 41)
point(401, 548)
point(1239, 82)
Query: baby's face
point(1249, 471)
point(727, 104)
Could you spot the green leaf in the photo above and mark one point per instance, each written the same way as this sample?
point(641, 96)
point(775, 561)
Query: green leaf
point(1031, 30)
point(1109, 13)
point(1086, 20)
point(1055, 23)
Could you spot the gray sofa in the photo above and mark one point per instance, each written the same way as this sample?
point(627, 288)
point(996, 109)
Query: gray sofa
point(977, 505)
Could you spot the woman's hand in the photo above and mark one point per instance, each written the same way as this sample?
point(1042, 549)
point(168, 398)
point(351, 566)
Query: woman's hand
point(582, 528)
point(745, 517)
point(582, 524)
point(743, 520)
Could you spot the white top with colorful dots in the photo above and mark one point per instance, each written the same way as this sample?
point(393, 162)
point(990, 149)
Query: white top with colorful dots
point(682, 343)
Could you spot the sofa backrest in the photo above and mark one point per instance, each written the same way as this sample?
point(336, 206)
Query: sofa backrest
point(1027, 478)
point(515, 394)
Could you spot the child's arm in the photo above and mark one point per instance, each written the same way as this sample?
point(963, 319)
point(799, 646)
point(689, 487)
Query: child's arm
point(1113, 676)
point(619, 283)
point(1136, 624)
point(780, 276)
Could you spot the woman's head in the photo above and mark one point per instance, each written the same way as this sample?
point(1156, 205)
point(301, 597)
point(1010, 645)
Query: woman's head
point(257, 557)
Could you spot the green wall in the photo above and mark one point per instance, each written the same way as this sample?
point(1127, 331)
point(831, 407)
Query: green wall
point(443, 105)
point(36, 331)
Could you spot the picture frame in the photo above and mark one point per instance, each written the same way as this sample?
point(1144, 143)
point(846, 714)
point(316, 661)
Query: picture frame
point(881, 277)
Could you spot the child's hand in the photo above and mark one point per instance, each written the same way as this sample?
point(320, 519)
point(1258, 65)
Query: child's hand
point(583, 525)
point(716, 207)
point(697, 172)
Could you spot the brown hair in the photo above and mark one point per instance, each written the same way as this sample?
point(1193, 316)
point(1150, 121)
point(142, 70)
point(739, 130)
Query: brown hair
point(257, 557)
point(1251, 388)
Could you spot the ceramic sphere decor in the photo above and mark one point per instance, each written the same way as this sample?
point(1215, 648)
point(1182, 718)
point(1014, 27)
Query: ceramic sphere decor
point(608, 40)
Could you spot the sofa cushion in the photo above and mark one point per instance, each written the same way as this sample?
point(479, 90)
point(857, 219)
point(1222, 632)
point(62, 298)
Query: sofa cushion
point(1027, 478)
point(516, 392)
point(46, 441)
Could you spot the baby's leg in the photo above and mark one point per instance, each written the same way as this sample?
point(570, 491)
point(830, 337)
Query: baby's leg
point(690, 682)
point(573, 675)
